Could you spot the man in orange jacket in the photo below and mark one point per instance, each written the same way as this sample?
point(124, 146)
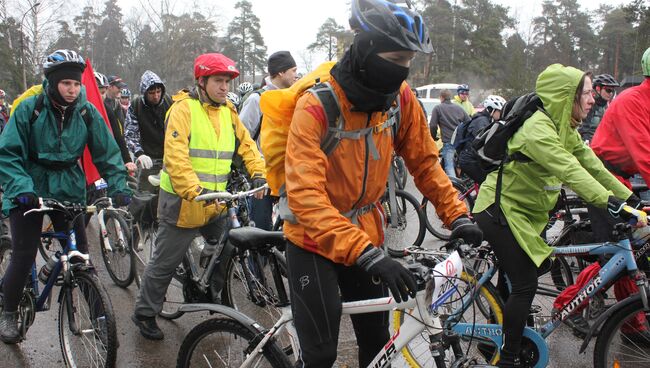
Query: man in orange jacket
point(333, 257)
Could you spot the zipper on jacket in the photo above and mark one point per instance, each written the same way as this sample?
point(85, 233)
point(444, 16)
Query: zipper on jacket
point(365, 167)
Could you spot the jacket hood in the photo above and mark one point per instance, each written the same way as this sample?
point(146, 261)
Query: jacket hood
point(556, 86)
point(148, 79)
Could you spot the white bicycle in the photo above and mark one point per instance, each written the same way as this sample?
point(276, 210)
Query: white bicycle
point(235, 340)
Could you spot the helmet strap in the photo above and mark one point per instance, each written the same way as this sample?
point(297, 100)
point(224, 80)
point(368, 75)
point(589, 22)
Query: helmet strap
point(205, 92)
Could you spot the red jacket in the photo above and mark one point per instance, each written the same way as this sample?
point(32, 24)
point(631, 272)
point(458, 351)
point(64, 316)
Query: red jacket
point(623, 136)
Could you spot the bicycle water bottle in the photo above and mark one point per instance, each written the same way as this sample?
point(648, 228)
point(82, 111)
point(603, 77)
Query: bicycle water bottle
point(46, 270)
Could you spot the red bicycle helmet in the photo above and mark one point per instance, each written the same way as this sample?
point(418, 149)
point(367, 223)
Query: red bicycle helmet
point(214, 63)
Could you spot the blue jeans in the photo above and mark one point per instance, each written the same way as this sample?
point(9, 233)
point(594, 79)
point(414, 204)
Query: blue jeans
point(447, 153)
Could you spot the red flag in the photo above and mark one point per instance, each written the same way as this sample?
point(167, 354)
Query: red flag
point(93, 96)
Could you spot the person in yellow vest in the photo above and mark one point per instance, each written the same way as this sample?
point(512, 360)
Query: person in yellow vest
point(202, 137)
point(462, 99)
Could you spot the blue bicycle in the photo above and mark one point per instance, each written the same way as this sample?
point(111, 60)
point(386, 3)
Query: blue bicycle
point(617, 344)
point(87, 330)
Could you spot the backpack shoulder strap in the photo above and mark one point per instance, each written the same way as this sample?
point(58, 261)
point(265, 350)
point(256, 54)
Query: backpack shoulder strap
point(38, 107)
point(86, 116)
point(328, 99)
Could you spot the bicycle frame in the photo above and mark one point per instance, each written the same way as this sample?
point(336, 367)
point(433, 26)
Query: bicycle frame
point(622, 259)
point(423, 318)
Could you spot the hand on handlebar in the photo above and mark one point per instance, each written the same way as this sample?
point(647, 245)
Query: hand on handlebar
point(618, 208)
point(399, 280)
point(26, 201)
point(257, 183)
point(131, 167)
point(144, 161)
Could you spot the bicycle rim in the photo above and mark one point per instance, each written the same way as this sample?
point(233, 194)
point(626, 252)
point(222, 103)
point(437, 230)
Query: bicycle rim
point(118, 260)
point(487, 308)
point(144, 238)
point(222, 342)
point(95, 343)
point(433, 223)
point(409, 229)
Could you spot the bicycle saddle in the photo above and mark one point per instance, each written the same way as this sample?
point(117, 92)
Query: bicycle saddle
point(249, 237)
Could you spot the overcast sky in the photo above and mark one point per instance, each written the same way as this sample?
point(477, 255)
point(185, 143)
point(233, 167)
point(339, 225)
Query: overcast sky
point(292, 24)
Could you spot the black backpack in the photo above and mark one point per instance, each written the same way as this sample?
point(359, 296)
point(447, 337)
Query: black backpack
point(462, 136)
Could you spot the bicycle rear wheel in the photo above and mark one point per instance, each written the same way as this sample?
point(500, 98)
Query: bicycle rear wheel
point(433, 223)
point(5, 254)
point(87, 330)
point(144, 243)
point(619, 343)
point(490, 307)
point(119, 261)
point(410, 228)
point(223, 342)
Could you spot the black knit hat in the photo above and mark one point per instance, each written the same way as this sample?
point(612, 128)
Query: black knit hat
point(64, 72)
point(280, 62)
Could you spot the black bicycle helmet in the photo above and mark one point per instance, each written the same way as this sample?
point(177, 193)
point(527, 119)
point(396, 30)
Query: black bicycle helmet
point(399, 23)
point(61, 58)
point(604, 80)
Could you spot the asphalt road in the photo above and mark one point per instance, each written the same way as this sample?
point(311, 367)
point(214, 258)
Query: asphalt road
point(41, 349)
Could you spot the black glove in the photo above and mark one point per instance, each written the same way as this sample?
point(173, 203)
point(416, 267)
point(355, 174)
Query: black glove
point(26, 201)
point(464, 228)
point(258, 182)
point(615, 208)
point(206, 191)
point(399, 280)
point(121, 199)
point(634, 202)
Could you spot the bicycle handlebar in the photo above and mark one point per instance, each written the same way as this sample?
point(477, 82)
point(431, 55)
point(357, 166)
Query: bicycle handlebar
point(227, 196)
point(51, 204)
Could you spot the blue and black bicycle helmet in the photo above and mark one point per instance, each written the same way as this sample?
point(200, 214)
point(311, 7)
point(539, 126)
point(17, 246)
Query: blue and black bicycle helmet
point(462, 88)
point(63, 58)
point(399, 23)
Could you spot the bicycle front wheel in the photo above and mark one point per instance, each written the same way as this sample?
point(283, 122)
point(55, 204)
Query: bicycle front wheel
point(87, 330)
point(490, 307)
point(223, 342)
point(144, 243)
point(119, 261)
point(621, 342)
point(410, 228)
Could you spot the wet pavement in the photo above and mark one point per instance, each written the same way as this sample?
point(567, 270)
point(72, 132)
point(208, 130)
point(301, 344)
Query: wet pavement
point(41, 349)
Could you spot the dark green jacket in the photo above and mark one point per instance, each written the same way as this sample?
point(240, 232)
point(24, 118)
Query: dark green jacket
point(22, 144)
point(558, 154)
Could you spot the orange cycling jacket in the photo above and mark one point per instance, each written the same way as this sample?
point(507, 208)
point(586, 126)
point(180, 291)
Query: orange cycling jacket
point(321, 188)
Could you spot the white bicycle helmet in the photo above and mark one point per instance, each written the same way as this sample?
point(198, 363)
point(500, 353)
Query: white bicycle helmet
point(244, 88)
point(232, 97)
point(102, 80)
point(61, 58)
point(494, 102)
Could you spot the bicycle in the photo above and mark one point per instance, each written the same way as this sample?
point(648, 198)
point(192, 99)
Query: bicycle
point(398, 170)
point(115, 242)
point(236, 340)
point(87, 329)
point(202, 281)
point(612, 346)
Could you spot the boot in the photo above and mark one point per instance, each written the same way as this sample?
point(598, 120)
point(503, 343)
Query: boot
point(9, 333)
point(508, 360)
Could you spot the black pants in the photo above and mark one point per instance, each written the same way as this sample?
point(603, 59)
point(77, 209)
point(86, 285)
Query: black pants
point(316, 304)
point(25, 237)
point(522, 274)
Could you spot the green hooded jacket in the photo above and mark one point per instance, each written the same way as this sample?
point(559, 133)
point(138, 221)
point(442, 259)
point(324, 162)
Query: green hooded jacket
point(531, 189)
point(21, 174)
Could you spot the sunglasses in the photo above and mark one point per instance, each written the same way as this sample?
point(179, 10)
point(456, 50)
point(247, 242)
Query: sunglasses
point(609, 90)
point(463, 93)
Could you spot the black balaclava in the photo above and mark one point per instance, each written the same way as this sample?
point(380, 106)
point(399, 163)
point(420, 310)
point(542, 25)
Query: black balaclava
point(53, 78)
point(369, 81)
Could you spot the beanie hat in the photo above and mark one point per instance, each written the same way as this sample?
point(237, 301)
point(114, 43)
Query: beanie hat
point(280, 62)
point(71, 71)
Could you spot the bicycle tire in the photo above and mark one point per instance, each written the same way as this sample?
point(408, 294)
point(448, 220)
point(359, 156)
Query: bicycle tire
point(5, 254)
point(610, 337)
point(240, 336)
point(433, 223)
point(100, 322)
point(413, 351)
point(122, 273)
point(408, 210)
point(48, 246)
point(400, 172)
point(175, 293)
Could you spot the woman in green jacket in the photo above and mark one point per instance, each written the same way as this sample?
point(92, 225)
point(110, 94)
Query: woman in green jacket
point(39, 156)
point(530, 190)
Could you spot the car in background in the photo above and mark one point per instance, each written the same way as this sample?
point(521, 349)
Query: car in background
point(430, 95)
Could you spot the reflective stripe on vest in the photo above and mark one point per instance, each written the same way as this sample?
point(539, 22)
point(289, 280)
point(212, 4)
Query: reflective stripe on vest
point(212, 166)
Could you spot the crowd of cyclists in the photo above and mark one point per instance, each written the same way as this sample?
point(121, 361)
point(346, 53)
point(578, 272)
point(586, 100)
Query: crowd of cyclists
point(583, 136)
